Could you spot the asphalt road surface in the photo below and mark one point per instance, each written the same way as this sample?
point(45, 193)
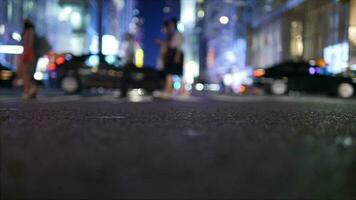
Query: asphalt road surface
point(201, 147)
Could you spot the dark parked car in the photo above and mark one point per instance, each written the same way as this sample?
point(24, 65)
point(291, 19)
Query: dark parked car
point(74, 73)
point(304, 77)
point(7, 76)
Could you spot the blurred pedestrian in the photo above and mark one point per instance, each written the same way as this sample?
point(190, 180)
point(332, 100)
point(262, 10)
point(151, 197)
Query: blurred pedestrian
point(163, 45)
point(163, 48)
point(173, 57)
point(27, 60)
point(129, 49)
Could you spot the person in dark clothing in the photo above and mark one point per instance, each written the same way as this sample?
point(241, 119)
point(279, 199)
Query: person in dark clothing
point(129, 50)
point(173, 58)
point(126, 79)
point(163, 45)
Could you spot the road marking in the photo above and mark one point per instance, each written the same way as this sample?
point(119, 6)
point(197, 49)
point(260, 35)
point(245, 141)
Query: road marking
point(292, 99)
point(186, 98)
point(9, 100)
point(110, 117)
point(236, 98)
point(106, 98)
point(312, 99)
point(226, 98)
point(58, 99)
point(8, 109)
point(193, 133)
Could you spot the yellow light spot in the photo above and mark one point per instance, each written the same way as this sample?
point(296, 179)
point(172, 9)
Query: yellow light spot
point(5, 75)
point(94, 70)
point(139, 58)
point(201, 13)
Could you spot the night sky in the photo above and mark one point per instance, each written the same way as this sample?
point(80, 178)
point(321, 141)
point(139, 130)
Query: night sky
point(152, 12)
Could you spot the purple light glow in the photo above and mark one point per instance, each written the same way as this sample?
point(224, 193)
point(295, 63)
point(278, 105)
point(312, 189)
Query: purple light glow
point(312, 71)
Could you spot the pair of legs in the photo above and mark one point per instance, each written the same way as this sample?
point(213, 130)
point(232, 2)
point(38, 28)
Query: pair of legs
point(126, 79)
point(173, 66)
point(29, 89)
point(168, 87)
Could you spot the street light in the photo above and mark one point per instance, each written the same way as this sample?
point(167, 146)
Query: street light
point(224, 20)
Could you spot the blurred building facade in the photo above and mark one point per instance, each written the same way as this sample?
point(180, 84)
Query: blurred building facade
point(221, 32)
point(233, 36)
point(118, 19)
point(301, 29)
point(43, 13)
point(69, 25)
point(352, 34)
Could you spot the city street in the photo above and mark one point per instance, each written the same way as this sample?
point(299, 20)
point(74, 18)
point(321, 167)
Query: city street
point(206, 146)
point(178, 99)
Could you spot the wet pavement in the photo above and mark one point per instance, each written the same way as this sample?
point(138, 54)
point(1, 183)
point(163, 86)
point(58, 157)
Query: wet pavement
point(202, 147)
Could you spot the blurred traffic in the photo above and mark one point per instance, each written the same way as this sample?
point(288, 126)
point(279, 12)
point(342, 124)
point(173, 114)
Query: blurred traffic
point(237, 47)
point(7, 76)
point(73, 74)
point(304, 77)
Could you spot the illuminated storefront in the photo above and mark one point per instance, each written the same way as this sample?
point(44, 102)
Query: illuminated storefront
point(69, 25)
point(221, 29)
point(118, 20)
point(308, 30)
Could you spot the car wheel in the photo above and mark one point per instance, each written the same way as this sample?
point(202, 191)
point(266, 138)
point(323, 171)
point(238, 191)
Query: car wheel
point(345, 90)
point(70, 84)
point(279, 87)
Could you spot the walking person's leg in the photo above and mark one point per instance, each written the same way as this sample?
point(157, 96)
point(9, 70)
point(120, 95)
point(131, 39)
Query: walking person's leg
point(23, 75)
point(182, 90)
point(170, 69)
point(124, 85)
point(180, 63)
point(125, 81)
point(33, 86)
point(168, 89)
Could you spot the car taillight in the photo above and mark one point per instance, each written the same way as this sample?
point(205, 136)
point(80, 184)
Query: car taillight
point(60, 60)
point(243, 89)
point(321, 63)
point(259, 73)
